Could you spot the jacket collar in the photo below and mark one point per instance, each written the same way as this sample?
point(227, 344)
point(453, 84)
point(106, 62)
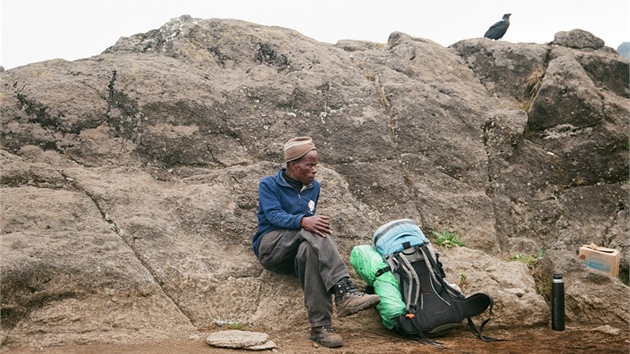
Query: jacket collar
point(283, 182)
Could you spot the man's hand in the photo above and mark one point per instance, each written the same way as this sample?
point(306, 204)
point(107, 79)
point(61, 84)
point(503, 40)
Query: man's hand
point(317, 224)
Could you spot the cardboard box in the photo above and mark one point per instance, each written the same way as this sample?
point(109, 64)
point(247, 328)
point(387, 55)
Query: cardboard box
point(600, 258)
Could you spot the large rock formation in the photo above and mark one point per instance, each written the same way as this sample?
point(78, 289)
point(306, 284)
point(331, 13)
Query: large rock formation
point(129, 179)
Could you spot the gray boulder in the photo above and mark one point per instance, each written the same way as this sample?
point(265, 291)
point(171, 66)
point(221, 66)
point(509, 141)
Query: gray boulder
point(578, 39)
point(129, 179)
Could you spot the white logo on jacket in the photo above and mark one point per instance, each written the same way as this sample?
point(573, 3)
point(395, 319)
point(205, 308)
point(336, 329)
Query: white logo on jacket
point(311, 206)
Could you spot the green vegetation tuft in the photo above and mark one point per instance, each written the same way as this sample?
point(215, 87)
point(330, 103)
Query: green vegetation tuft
point(531, 259)
point(448, 239)
point(235, 325)
point(463, 282)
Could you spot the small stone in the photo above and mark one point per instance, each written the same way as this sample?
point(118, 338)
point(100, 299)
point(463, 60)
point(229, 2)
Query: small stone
point(607, 329)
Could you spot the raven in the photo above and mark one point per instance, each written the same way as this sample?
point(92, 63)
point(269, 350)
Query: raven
point(497, 30)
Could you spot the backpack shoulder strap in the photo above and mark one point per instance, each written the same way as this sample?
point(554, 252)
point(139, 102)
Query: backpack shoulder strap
point(437, 272)
point(473, 328)
point(412, 290)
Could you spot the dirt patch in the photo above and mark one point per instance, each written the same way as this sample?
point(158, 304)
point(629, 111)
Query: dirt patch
point(537, 340)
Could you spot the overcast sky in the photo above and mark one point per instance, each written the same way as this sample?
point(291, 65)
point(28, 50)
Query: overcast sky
point(37, 30)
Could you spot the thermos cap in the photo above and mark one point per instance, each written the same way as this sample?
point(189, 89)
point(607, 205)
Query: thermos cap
point(557, 278)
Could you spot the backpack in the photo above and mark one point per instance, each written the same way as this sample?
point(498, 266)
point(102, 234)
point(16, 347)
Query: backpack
point(433, 306)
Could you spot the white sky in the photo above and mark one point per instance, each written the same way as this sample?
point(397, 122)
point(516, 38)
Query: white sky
point(37, 30)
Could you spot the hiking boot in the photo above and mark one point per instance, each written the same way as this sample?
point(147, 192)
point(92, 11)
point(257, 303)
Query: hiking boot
point(349, 300)
point(326, 336)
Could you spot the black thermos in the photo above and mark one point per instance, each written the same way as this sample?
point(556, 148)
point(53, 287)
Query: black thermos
point(557, 303)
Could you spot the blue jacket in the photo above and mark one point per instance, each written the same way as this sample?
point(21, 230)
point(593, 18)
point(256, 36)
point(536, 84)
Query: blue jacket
point(282, 207)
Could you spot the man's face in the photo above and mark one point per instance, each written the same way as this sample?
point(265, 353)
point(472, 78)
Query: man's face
point(305, 168)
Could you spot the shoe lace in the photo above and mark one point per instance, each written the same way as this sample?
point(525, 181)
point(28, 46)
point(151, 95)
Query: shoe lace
point(347, 287)
point(328, 329)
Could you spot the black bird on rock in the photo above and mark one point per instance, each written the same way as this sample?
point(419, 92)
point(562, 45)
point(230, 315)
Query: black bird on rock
point(497, 30)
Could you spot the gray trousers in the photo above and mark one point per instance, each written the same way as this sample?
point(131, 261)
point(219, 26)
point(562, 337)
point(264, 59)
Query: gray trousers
point(316, 262)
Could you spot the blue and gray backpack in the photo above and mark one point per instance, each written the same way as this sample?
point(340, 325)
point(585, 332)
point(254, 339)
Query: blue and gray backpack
point(433, 306)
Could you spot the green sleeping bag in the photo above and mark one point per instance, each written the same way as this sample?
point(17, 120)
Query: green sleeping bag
point(366, 262)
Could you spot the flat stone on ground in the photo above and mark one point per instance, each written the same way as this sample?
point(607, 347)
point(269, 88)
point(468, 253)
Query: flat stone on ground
point(237, 339)
point(265, 346)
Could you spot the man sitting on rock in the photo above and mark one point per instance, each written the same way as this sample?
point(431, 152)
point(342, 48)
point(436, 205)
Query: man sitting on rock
point(292, 238)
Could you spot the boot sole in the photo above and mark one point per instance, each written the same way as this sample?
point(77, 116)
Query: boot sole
point(351, 311)
point(327, 344)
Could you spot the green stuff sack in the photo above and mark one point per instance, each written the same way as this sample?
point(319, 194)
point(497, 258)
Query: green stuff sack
point(367, 263)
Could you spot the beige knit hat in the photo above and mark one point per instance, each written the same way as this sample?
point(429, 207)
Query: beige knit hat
point(297, 147)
